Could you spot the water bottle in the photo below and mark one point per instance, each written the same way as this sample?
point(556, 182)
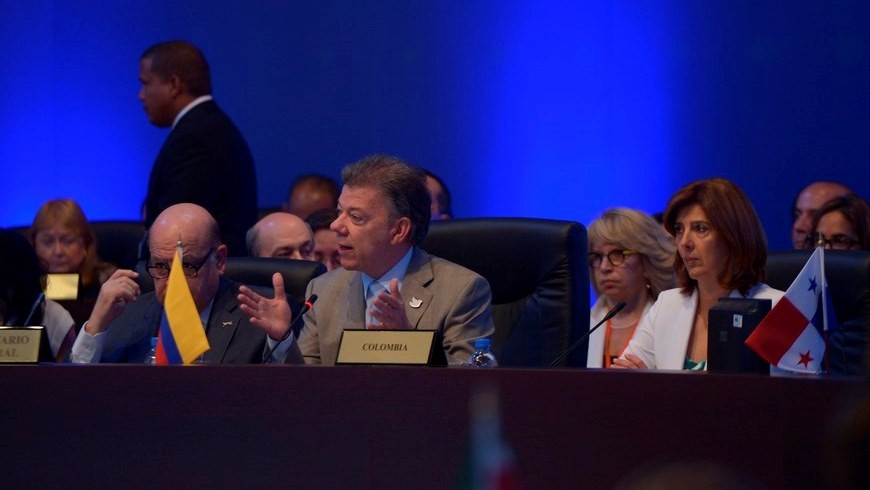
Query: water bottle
point(482, 356)
point(151, 357)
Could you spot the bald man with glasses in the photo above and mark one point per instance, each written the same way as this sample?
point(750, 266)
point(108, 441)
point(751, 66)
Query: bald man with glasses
point(123, 320)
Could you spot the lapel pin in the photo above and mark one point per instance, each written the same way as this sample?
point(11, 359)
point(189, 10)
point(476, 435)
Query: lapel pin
point(227, 324)
point(415, 302)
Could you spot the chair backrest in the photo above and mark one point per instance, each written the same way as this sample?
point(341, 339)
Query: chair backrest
point(118, 241)
point(258, 271)
point(848, 274)
point(539, 279)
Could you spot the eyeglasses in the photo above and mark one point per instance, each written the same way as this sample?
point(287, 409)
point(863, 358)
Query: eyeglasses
point(615, 257)
point(840, 241)
point(161, 271)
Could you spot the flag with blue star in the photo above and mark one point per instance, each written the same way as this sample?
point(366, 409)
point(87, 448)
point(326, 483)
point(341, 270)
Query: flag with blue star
point(791, 336)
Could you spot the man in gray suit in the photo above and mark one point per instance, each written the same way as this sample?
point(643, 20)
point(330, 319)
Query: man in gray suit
point(123, 322)
point(386, 280)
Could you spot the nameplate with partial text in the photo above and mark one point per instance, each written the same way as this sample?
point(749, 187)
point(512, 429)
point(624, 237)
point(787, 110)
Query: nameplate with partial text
point(403, 347)
point(20, 345)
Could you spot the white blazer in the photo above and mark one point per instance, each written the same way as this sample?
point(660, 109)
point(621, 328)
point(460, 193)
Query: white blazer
point(662, 338)
point(595, 354)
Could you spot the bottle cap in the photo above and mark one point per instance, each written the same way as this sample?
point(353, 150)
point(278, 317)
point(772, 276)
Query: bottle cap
point(153, 341)
point(481, 344)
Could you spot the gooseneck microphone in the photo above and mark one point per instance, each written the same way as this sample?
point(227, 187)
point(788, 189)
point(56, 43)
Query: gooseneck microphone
point(33, 308)
point(267, 353)
point(305, 307)
point(610, 314)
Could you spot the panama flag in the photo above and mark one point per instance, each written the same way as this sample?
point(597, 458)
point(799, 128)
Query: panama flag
point(790, 337)
point(181, 339)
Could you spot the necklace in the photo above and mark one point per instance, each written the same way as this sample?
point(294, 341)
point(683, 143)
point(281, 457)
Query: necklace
point(621, 323)
point(608, 359)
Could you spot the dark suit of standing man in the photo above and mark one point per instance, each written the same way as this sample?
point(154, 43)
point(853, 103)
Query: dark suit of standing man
point(205, 159)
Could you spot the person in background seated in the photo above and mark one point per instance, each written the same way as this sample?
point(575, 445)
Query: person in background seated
point(123, 321)
point(65, 244)
point(631, 259)
point(439, 194)
point(310, 193)
point(721, 251)
point(843, 223)
point(281, 235)
point(22, 280)
point(807, 202)
point(385, 281)
point(325, 241)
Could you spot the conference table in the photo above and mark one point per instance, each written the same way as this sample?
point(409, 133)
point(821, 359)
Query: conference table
point(121, 426)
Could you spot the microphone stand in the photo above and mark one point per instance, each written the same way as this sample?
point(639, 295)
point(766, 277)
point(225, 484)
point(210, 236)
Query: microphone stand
point(610, 314)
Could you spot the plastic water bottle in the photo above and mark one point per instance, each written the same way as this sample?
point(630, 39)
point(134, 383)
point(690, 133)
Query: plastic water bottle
point(151, 357)
point(482, 357)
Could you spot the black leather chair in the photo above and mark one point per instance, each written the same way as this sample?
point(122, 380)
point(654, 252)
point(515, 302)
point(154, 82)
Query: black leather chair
point(118, 241)
point(539, 278)
point(848, 274)
point(258, 271)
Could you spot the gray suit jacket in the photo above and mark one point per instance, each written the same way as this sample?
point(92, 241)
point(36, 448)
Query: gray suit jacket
point(232, 338)
point(455, 301)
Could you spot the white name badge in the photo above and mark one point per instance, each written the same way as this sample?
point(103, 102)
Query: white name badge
point(403, 347)
point(20, 344)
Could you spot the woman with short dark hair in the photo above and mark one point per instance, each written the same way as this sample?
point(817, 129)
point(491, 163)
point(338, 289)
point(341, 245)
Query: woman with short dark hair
point(843, 223)
point(721, 251)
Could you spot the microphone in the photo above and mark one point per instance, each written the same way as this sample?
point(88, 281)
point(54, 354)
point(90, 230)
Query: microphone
point(610, 314)
point(305, 307)
point(33, 308)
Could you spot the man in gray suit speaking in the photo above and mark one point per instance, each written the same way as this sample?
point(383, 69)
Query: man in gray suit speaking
point(386, 280)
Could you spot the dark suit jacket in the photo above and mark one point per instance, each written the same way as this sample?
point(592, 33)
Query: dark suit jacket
point(206, 161)
point(232, 338)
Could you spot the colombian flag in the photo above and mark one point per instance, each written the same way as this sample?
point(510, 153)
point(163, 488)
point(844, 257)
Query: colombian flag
point(181, 339)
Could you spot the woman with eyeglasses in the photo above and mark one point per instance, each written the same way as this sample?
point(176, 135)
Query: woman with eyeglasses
point(721, 251)
point(630, 260)
point(843, 223)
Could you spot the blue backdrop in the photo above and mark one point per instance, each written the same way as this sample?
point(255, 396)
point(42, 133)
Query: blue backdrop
point(552, 109)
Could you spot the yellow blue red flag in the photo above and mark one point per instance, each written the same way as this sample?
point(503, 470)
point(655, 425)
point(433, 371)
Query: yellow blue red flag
point(182, 338)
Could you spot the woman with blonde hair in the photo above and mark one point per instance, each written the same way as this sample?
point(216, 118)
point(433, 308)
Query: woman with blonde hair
point(630, 260)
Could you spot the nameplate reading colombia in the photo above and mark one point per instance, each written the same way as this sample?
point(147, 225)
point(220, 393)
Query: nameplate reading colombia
point(409, 347)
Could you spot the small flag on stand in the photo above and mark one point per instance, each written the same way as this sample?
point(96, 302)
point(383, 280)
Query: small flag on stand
point(181, 339)
point(792, 336)
point(490, 464)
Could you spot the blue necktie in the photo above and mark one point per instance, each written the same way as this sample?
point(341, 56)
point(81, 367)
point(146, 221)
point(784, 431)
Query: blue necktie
point(371, 293)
